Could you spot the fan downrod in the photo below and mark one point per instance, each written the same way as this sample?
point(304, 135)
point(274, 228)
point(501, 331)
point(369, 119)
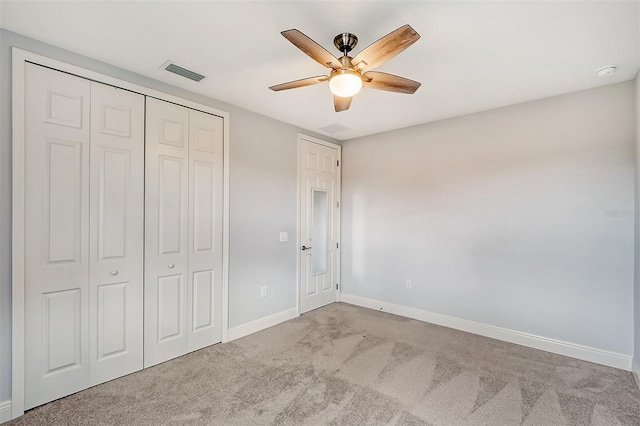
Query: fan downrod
point(345, 42)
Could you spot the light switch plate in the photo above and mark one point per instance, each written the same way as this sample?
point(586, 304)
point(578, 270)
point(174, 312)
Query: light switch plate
point(284, 237)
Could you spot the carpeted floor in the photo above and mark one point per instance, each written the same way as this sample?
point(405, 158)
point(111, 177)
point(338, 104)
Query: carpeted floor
point(346, 365)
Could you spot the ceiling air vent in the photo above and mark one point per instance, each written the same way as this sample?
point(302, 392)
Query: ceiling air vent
point(183, 72)
point(334, 128)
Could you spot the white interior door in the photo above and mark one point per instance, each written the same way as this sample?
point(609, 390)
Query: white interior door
point(205, 229)
point(167, 231)
point(56, 235)
point(319, 224)
point(117, 233)
point(183, 268)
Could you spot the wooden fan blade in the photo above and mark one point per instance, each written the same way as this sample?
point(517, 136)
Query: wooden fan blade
point(300, 83)
point(386, 48)
point(311, 48)
point(390, 82)
point(341, 104)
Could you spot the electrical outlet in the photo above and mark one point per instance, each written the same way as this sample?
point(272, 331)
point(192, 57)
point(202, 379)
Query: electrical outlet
point(264, 292)
point(409, 284)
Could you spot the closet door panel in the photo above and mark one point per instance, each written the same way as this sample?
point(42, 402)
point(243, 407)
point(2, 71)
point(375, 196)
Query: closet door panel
point(167, 231)
point(117, 232)
point(170, 300)
point(205, 229)
point(57, 235)
point(171, 193)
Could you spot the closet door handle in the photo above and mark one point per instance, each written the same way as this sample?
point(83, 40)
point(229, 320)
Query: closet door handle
point(171, 266)
point(303, 248)
point(114, 273)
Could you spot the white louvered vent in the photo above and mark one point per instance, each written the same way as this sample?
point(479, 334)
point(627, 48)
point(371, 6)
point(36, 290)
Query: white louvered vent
point(334, 128)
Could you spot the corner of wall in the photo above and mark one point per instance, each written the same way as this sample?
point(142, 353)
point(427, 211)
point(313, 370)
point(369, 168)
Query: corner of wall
point(635, 368)
point(261, 324)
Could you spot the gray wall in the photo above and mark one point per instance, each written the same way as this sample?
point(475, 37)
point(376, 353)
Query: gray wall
point(636, 355)
point(520, 217)
point(262, 199)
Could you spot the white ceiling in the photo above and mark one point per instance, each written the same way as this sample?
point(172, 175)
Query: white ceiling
point(472, 56)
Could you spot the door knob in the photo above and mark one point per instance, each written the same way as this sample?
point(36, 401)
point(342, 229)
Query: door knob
point(114, 273)
point(171, 266)
point(305, 248)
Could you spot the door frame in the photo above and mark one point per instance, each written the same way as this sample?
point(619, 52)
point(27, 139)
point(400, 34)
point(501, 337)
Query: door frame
point(20, 58)
point(301, 139)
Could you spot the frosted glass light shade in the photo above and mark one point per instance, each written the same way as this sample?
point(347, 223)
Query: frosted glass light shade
point(345, 84)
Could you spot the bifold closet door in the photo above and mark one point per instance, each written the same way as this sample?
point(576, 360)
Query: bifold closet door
point(57, 109)
point(83, 234)
point(183, 222)
point(205, 229)
point(167, 230)
point(117, 232)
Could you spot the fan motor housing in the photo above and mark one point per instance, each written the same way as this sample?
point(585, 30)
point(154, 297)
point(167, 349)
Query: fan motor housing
point(345, 42)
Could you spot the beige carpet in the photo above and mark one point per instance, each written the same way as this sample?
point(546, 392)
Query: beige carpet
point(343, 364)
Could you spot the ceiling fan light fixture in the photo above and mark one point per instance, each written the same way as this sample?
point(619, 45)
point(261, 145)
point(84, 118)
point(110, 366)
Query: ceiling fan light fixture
point(345, 83)
point(346, 80)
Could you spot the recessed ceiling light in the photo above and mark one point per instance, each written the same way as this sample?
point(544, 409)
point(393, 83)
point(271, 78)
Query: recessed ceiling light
point(606, 71)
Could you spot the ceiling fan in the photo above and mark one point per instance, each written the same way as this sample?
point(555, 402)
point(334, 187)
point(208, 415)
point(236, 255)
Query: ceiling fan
point(348, 75)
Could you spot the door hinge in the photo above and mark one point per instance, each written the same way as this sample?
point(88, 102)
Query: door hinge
point(336, 286)
point(337, 245)
point(338, 163)
point(338, 204)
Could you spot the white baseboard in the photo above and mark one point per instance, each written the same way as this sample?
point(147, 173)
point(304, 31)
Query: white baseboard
point(5, 411)
point(261, 324)
point(573, 350)
point(635, 369)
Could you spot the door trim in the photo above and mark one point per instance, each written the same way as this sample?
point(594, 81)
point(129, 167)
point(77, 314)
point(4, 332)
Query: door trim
point(19, 60)
point(306, 138)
